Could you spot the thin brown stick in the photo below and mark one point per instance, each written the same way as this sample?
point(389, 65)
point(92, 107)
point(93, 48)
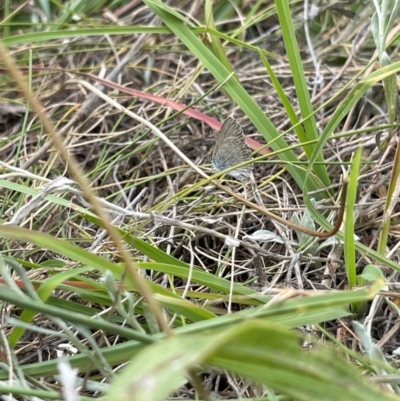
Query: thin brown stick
point(265, 212)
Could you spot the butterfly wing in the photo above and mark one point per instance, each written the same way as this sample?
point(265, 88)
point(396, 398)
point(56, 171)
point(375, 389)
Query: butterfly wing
point(231, 149)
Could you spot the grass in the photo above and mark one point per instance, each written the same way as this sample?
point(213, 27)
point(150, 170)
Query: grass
point(117, 235)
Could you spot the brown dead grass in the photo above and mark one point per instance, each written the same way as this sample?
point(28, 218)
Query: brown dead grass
point(122, 158)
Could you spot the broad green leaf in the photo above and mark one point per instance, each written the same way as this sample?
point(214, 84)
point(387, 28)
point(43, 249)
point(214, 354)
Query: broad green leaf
point(369, 274)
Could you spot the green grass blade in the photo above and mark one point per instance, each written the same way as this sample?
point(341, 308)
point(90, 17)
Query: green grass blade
point(216, 43)
point(315, 309)
point(201, 277)
point(300, 83)
point(349, 241)
point(44, 292)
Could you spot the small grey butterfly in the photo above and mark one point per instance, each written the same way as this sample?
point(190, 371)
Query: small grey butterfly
point(231, 149)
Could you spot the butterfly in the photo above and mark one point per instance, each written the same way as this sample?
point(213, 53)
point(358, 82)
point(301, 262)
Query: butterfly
point(231, 149)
